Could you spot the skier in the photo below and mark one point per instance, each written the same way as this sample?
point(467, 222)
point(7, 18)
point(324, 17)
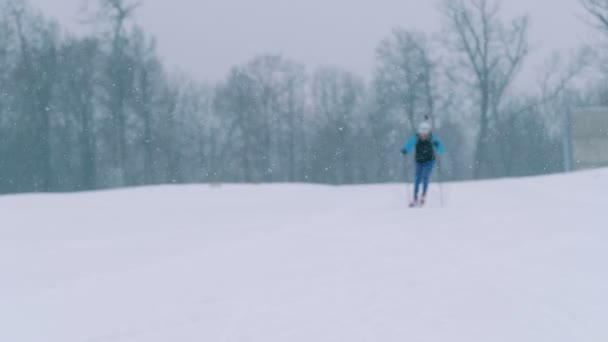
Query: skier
point(427, 147)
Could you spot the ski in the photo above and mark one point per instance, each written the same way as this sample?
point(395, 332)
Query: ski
point(417, 203)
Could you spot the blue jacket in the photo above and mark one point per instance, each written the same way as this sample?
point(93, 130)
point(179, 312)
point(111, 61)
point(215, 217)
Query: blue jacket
point(411, 144)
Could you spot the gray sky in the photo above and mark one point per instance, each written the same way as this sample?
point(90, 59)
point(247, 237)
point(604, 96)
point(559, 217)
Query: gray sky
point(206, 37)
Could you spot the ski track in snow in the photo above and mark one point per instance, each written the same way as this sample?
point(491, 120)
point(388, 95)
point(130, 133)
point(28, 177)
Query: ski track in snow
point(506, 260)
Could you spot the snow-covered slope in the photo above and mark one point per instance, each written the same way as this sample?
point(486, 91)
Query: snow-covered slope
point(510, 260)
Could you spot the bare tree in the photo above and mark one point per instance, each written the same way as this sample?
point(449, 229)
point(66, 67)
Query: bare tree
point(113, 12)
point(7, 116)
point(149, 82)
point(119, 77)
point(598, 13)
point(278, 85)
point(491, 53)
point(337, 98)
point(263, 103)
point(201, 130)
point(292, 109)
point(598, 9)
point(34, 79)
point(405, 75)
point(76, 81)
point(241, 150)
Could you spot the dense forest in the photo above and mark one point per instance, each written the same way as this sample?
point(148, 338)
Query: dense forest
point(81, 112)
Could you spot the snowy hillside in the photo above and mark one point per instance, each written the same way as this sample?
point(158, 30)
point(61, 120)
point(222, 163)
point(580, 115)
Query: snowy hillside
point(511, 260)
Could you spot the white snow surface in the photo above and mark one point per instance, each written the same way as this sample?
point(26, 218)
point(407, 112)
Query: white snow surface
point(508, 260)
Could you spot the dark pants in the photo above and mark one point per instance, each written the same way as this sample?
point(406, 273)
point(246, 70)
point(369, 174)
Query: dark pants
point(423, 176)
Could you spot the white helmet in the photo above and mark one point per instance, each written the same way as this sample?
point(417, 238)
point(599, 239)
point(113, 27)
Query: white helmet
point(424, 128)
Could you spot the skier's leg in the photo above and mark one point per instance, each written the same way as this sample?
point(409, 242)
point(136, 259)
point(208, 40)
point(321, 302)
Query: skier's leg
point(418, 180)
point(428, 170)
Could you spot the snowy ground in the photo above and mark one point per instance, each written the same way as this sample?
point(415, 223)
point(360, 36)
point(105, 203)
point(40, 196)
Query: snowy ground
point(512, 260)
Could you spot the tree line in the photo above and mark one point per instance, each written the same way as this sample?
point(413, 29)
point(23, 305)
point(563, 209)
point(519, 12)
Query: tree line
point(101, 110)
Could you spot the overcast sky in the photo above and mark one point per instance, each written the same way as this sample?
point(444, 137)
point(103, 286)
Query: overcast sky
point(207, 37)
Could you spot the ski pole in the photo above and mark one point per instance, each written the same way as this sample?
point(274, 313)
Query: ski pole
point(407, 179)
point(440, 169)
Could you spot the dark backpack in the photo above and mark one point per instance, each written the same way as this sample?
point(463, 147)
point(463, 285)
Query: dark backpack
point(425, 150)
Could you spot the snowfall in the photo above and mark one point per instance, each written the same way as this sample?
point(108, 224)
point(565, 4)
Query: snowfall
point(508, 260)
